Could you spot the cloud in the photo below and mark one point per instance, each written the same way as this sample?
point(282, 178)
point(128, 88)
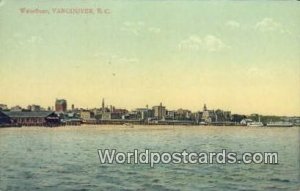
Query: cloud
point(268, 25)
point(209, 43)
point(138, 28)
point(264, 25)
point(212, 43)
point(233, 24)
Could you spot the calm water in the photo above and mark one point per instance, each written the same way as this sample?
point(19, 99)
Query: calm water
point(66, 158)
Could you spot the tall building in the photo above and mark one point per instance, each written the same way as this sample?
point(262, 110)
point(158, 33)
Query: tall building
point(60, 105)
point(103, 106)
point(159, 111)
point(105, 113)
point(208, 116)
point(204, 107)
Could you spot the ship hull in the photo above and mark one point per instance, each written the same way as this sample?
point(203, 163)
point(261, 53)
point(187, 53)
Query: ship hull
point(279, 125)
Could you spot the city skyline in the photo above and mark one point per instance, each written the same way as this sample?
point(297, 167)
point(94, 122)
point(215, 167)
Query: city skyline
point(69, 107)
point(245, 59)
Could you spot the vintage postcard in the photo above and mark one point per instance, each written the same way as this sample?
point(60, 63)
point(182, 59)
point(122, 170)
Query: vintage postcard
point(149, 95)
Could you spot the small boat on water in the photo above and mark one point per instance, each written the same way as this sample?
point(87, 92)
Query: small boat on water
point(279, 124)
point(203, 123)
point(255, 123)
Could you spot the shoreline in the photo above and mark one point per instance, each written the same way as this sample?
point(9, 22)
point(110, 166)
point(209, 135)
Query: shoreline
point(141, 127)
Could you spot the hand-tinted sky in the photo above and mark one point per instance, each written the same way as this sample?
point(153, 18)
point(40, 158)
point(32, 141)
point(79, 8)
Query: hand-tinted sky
point(240, 56)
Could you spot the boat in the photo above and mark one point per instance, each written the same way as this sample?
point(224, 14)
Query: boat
point(203, 123)
point(279, 124)
point(255, 123)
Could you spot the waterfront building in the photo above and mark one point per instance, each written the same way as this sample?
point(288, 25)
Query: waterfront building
point(118, 113)
point(60, 105)
point(106, 116)
point(105, 112)
point(215, 116)
point(239, 118)
point(159, 111)
point(222, 116)
point(4, 119)
point(144, 113)
point(34, 118)
point(97, 113)
point(170, 114)
point(246, 121)
point(196, 117)
point(208, 116)
point(183, 114)
point(87, 116)
point(70, 118)
point(71, 121)
point(132, 115)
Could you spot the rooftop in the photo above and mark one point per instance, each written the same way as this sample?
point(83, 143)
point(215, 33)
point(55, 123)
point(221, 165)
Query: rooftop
point(28, 113)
